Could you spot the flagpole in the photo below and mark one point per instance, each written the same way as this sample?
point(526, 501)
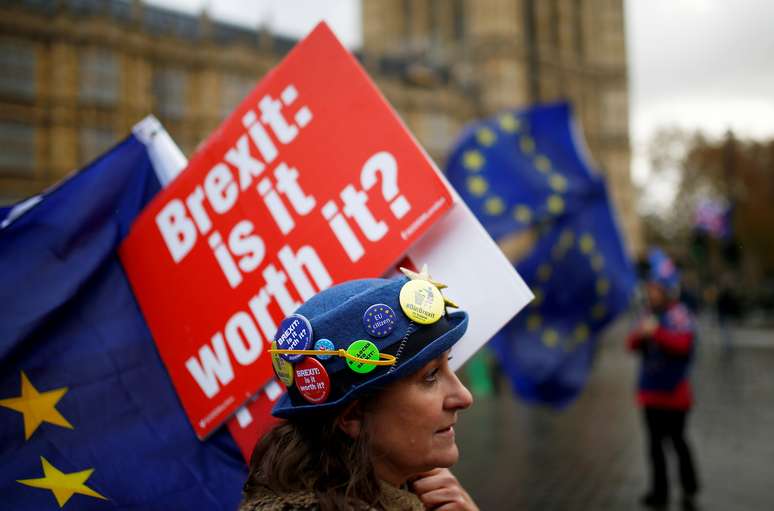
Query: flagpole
point(167, 158)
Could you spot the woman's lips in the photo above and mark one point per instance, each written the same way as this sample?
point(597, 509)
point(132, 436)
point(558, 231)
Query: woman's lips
point(447, 431)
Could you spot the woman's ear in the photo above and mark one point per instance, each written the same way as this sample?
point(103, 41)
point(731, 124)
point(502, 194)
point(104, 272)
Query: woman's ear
point(350, 420)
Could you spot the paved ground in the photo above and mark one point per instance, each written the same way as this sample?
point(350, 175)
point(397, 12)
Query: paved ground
point(592, 455)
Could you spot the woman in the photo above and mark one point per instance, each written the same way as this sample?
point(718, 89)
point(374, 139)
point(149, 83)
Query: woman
point(665, 343)
point(371, 403)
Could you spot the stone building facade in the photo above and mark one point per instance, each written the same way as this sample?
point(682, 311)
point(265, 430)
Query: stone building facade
point(468, 59)
point(77, 74)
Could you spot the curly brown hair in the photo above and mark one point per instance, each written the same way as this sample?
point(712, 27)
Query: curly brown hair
point(314, 454)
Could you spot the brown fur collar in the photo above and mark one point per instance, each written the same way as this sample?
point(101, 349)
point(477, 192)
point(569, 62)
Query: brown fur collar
point(302, 500)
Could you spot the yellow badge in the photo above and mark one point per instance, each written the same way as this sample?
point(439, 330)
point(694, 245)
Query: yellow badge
point(421, 301)
point(282, 368)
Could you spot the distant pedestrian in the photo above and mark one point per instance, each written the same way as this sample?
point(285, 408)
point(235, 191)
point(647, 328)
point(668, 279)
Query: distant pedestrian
point(728, 310)
point(665, 341)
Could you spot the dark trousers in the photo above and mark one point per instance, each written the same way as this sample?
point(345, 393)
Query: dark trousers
point(663, 424)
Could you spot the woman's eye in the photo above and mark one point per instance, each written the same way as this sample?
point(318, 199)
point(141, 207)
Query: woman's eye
point(431, 376)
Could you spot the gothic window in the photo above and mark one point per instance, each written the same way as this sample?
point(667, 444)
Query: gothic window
point(98, 75)
point(169, 90)
point(93, 142)
point(458, 10)
point(615, 109)
point(17, 60)
point(18, 142)
point(436, 132)
point(578, 28)
point(234, 89)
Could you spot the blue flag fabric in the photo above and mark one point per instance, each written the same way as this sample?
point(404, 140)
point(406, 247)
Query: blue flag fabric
point(88, 415)
point(524, 170)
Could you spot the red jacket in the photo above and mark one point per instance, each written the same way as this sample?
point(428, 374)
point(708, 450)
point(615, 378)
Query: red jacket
point(666, 356)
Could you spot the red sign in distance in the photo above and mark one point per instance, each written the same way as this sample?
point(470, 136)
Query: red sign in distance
point(313, 180)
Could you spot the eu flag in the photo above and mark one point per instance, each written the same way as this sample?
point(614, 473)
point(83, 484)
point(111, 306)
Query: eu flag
point(88, 416)
point(527, 170)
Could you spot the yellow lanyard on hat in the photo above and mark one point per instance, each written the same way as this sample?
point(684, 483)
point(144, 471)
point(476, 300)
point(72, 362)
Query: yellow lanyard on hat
point(384, 358)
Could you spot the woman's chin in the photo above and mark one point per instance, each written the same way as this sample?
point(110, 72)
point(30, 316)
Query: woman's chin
point(447, 456)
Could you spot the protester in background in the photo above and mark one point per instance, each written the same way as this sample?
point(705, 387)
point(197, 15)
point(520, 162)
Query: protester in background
point(728, 310)
point(665, 341)
point(359, 435)
point(690, 294)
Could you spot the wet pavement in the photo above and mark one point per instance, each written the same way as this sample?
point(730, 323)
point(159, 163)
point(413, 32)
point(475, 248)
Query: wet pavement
point(591, 456)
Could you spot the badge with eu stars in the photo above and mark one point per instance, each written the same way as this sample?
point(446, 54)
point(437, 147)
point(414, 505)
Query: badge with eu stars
point(379, 320)
point(421, 298)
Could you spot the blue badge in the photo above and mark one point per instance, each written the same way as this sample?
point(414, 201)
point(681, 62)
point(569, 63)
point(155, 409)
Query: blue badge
point(294, 333)
point(324, 344)
point(379, 320)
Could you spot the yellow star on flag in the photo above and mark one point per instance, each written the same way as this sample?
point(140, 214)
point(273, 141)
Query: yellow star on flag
point(566, 239)
point(62, 485)
point(586, 243)
point(527, 144)
point(550, 337)
point(542, 163)
point(597, 262)
point(473, 160)
point(509, 123)
point(477, 186)
point(603, 286)
point(534, 321)
point(581, 332)
point(544, 272)
point(486, 137)
point(37, 407)
point(555, 204)
point(494, 206)
point(522, 213)
point(558, 182)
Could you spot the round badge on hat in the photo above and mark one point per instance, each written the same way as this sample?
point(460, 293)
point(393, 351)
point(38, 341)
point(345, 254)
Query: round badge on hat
point(421, 301)
point(282, 368)
point(312, 380)
point(325, 345)
point(362, 349)
point(379, 320)
point(294, 333)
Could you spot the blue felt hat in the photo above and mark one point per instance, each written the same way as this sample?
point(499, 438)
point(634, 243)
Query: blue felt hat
point(662, 270)
point(337, 314)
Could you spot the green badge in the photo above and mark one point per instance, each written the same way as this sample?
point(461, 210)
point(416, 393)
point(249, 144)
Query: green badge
point(362, 349)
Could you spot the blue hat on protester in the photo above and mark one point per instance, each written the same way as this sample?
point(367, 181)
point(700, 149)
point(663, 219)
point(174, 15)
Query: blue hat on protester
point(368, 319)
point(662, 270)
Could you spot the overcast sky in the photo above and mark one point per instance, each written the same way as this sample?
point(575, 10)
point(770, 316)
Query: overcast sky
point(698, 64)
point(702, 63)
point(289, 17)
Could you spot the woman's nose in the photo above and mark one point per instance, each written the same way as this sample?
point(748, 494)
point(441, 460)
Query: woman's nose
point(459, 396)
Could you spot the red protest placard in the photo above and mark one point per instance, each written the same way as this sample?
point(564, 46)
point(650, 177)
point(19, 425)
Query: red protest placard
point(312, 180)
point(248, 425)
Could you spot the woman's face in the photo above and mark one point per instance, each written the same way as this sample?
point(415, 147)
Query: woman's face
point(656, 295)
point(411, 422)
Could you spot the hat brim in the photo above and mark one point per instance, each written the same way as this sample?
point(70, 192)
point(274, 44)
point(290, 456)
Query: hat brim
point(285, 409)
